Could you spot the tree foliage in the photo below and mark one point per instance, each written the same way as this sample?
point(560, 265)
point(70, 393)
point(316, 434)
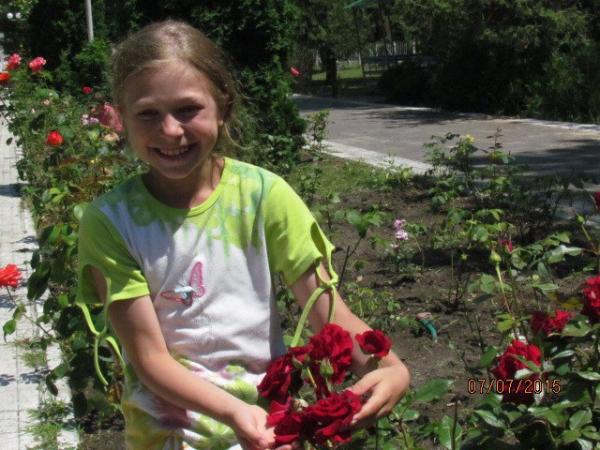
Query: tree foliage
point(256, 34)
point(524, 56)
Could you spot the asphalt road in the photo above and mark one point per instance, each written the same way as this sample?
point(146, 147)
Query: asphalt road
point(378, 130)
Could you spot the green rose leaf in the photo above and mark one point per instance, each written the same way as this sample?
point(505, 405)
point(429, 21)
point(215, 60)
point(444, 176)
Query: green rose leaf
point(589, 375)
point(432, 390)
point(580, 418)
point(9, 327)
point(577, 329)
point(490, 418)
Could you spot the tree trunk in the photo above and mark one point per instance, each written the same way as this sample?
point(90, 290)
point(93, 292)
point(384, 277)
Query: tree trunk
point(330, 65)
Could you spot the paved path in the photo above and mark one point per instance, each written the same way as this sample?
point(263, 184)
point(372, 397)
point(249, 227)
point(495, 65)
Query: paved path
point(19, 384)
point(377, 130)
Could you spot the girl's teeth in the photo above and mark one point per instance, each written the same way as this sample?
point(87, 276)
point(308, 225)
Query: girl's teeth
point(176, 152)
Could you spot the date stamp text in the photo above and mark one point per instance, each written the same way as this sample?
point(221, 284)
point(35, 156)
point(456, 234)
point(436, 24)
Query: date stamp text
point(510, 386)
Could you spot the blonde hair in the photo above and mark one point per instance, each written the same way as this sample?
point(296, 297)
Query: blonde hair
point(170, 40)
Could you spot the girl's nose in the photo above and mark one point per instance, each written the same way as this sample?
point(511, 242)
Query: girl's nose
point(171, 126)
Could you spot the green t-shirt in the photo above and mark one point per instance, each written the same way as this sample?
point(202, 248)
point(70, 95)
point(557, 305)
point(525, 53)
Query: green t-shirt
point(209, 272)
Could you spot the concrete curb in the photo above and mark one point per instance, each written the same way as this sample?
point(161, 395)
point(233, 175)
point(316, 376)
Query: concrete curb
point(22, 389)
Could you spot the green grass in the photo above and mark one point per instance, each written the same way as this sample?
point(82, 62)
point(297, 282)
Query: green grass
point(345, 73)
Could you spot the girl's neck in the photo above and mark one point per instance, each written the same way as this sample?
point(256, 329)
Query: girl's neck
point(187, 192)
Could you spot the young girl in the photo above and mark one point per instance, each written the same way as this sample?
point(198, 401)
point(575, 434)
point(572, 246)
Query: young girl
point(184, 257)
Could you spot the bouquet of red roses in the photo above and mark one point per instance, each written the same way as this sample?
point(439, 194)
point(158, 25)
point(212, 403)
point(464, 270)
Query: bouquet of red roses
point(311, 371)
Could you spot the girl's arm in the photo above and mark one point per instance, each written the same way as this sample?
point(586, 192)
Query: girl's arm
point(387, 384)
point(137, 327)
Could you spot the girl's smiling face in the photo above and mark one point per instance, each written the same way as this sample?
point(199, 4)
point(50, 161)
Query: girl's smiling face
point(172, 120)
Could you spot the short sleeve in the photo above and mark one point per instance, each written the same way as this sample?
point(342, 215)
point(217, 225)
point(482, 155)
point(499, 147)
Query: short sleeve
point(101, 246)
point(295, 242)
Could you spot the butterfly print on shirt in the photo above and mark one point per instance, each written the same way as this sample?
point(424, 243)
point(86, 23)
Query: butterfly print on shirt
point(187, 294)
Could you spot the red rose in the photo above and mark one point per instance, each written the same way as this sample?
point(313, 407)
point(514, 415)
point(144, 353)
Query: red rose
point(37, 64)
point(13, 61)
point(508, 365)
point(287, 422)
point(591, 304)
point(374, 342)
point(597, 200)
point(333, 344)
point(10, 276)
point(87, 90)
point(4, 77)
point(506, 244)
point(540, 321)
point(54, 139)
point(294, 72)
point(329, 419)
point(283, 378)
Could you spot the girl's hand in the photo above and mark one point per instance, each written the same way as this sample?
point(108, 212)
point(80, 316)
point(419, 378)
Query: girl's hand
point(384, 387)
point(250, 426)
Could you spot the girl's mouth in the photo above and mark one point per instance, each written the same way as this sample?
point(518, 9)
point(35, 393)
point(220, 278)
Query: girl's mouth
point(173, 153)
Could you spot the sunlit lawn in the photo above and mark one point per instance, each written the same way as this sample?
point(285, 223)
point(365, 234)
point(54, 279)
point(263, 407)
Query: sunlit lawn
point(345, 73)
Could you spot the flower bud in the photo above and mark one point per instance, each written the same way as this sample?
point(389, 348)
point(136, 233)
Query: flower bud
point(495, 257)
point(326, 368)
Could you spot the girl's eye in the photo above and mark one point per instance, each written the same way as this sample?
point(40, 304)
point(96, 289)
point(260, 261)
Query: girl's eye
point(147, 114)
point(188, 111)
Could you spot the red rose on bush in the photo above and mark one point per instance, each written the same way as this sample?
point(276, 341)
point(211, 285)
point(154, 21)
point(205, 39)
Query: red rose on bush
point(283, 378)
point(13, 61)
point(597, 200)
point(374, 342)
point(4, 77)
point(591, 304)
point(508, 365)
point(294, 72)
point(333, 344)
point(10, 276)
point(506, 244)
point(329, 419)
point(87, 90)
point(37, 64)
point(54, 139)
point(540, 321)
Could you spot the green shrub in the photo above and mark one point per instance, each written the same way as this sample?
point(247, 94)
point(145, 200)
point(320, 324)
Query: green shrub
point(408, 83)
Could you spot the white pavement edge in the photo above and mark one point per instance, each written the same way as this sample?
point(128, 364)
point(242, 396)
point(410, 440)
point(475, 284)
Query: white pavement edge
point(374, 158)
point(22, 389)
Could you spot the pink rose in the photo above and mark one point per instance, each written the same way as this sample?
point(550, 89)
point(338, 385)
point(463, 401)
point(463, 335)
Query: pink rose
point(13, 61)
point(294, 72)
point(108, 116)
point(37, 64)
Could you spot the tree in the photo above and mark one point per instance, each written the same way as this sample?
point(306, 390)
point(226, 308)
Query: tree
point(332, 30)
